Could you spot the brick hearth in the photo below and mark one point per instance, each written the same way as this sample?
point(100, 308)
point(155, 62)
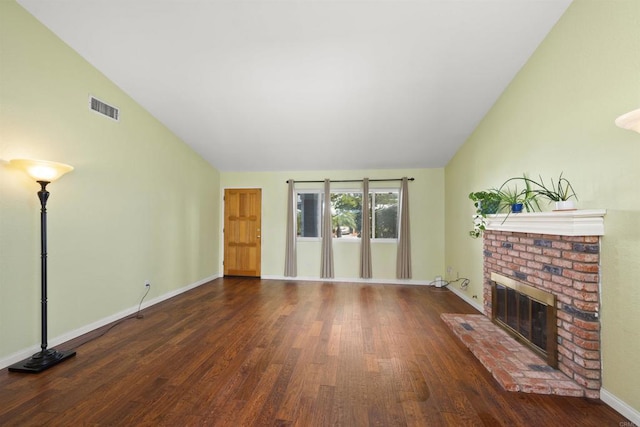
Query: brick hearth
point(514, 366)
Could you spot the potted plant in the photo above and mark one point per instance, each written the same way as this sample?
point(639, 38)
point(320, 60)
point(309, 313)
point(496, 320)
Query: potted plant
point(501, 199)
point(559, 191)
point(486, 203)
point(517, 200)
point(512, 199)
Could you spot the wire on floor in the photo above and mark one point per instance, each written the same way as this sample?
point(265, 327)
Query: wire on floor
point(463, 285)
point(138, 315)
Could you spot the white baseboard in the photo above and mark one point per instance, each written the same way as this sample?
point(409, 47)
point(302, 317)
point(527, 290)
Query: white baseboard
point(27, 352)
point(472, 302)
point(622, 407)
point(352, 279)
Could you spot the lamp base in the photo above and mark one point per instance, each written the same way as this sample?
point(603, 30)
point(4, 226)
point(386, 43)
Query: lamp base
point(41, 360)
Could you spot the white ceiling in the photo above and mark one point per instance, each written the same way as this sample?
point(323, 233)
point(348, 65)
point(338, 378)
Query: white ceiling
point(309, 84)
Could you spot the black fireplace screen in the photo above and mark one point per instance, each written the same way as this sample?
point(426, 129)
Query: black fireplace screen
point(527, 313)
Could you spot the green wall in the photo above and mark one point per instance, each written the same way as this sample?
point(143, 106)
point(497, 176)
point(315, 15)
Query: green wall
point(558, 116)
point(426, 205)
point(139, 205)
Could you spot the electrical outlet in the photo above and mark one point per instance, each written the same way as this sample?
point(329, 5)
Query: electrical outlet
point(475, 297)
point(147, 283)
point(449, 271)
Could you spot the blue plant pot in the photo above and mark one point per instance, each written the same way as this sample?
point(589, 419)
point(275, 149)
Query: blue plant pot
point(489, 206)
point(516, 208)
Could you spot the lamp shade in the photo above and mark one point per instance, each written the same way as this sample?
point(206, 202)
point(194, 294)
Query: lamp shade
point(42, 170)
point(630, 121)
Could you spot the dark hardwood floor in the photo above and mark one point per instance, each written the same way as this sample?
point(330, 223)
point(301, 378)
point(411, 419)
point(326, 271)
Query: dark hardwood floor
point(264, 352)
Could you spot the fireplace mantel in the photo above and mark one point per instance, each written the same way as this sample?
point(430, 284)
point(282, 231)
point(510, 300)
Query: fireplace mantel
point(583, 222)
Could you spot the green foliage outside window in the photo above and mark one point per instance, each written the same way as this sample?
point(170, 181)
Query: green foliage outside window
point(346, 218)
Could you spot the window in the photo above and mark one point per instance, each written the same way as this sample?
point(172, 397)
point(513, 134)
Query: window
point(309, 214)
point(346, 218)
point(346, 214)
point(384, 222)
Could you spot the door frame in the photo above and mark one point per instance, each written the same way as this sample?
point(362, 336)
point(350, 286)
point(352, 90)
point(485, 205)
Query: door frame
point(222, 219)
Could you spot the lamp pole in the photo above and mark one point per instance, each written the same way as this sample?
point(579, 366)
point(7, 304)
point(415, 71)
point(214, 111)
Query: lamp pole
point(43, 195)
point(45, 358)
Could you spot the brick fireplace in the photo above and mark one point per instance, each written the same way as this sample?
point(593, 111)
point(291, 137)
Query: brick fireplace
point(556, 252)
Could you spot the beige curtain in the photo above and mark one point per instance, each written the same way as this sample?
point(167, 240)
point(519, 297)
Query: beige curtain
point(327, 229)
point(365, 233)
point(290, 261)
point(403, 264)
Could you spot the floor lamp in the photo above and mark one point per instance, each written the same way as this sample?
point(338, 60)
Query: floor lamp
point(44, 173)
point(630, 120)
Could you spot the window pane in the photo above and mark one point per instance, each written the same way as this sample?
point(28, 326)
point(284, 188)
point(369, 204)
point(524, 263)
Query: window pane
point(539, 323)
point(309, 214)
point(524, 316)
point(385, 221)
point(346, 216)
point(512, 309)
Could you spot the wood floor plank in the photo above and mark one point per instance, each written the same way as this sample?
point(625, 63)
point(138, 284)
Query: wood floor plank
point(240, 351)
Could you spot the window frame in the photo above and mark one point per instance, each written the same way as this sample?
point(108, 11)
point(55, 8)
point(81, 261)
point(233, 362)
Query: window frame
point(372, 207)
point(349, 239)
point(310, 191)
point(348, 191)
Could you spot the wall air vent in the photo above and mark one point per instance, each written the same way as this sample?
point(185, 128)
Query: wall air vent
point(105, 109)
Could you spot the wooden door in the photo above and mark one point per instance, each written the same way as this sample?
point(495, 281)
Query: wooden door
point(242, 222)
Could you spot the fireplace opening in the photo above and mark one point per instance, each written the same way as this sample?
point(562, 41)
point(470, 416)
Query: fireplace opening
point(527, 313)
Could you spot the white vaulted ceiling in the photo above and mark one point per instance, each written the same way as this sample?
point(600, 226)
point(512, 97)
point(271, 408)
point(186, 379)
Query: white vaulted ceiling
point(309, 84)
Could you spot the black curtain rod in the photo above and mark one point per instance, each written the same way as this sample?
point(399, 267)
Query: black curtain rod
point(352, 180)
